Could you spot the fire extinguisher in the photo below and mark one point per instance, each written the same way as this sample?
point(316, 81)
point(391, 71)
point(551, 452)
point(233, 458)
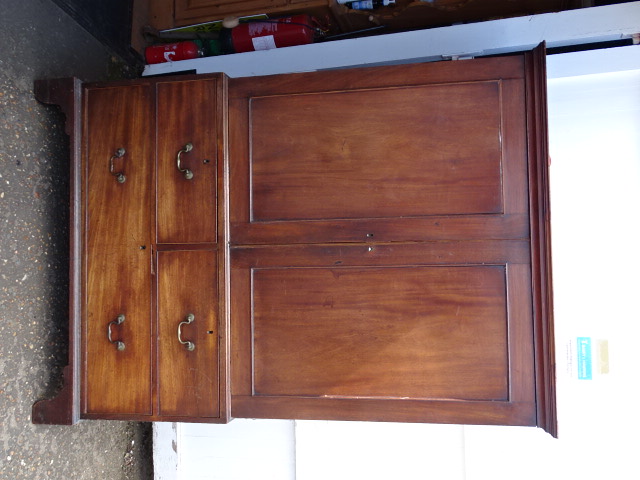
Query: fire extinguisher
point(172, 52)
point(268, 34)
point(236, 37)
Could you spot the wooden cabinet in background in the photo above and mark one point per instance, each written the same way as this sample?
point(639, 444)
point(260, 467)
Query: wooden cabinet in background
point(338, 18)
point(188, 12)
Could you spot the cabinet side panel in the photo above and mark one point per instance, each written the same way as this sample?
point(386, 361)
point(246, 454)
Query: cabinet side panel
point(538, 146)
point(188, 379)
point(118, 250)
point(187, 207)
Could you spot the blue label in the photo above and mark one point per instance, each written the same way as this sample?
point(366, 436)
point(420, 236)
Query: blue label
point(584, 358)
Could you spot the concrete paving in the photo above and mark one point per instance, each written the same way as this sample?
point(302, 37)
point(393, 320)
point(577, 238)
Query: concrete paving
point(39, 40)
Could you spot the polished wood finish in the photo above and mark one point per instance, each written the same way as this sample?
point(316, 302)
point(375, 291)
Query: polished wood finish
point(401, 151)
point(381, 245)
point(118, 253)
point(154, 243)
point(372, 332)
point(187, 208)
point(358, 287)
point(538, 147)
point(188, 383)
point(417, 326)
point(382, 177)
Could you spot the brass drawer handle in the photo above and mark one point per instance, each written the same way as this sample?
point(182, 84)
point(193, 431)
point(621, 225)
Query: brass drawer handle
point(190, 345)
point(119, 320)
point(119, 153)
point(188, 174)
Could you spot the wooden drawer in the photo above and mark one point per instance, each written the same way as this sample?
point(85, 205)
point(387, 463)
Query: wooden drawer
point(187, 126)
point(188, 378)
point(151, 250)
point(118, 250)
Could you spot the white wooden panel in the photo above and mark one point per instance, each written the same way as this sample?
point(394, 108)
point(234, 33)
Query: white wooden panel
point(165, 451)
point(240, 450)
point(378, 451)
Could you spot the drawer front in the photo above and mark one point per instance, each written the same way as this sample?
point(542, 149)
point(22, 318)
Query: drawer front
point(188, 350)
point(118, 251)
point(186, 113)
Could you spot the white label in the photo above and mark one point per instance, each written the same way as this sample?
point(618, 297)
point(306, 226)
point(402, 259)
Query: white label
point(264, 43)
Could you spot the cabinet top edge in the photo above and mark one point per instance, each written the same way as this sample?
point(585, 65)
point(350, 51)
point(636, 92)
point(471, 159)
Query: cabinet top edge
point(486, 68)
point(156, 80)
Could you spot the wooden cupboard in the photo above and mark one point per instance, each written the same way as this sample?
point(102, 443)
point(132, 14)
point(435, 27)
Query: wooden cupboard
point(364, 244)
point(388, 233)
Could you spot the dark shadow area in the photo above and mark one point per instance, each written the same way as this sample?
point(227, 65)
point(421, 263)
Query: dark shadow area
point(109, 22)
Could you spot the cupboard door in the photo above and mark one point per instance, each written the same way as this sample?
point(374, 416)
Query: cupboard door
point(396, 157)
point(186, 113)
point(118, 250)
point(417, 333)
point(207, 10)
point(188, 339)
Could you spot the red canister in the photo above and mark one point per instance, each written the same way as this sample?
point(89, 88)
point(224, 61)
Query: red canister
point(171, 52)
point(273, 33)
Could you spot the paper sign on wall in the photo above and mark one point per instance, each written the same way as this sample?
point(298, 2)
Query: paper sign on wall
point(586, 358)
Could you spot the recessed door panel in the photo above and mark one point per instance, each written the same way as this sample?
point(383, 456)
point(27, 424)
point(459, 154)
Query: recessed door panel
point(377, 153)
point(421, 332)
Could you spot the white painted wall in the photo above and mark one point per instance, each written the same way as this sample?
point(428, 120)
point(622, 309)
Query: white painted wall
point(594, 121)
point(241, 450)
point(165, 450)
point(378, 451)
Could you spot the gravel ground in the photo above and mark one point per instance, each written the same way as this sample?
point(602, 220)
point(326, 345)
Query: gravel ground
point(41, 41)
